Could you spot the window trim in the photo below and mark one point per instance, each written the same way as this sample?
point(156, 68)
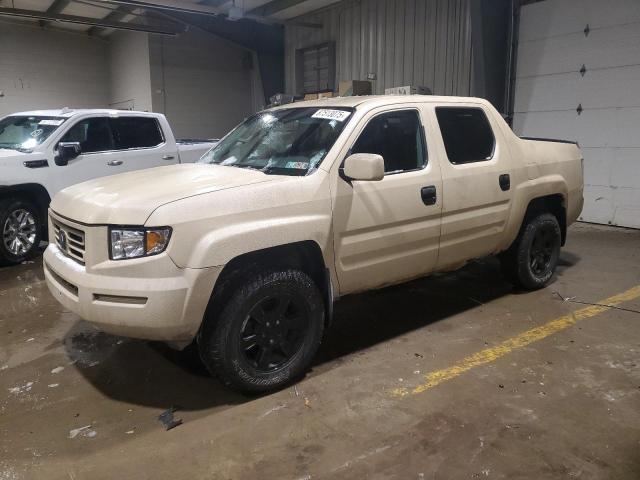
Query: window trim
point(444, 145)
point(109, 118)
point(423, 136)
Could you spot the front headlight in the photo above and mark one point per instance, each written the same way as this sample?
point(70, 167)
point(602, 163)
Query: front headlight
point(137, 242)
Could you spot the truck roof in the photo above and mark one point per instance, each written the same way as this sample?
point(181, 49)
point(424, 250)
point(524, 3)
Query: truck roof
point(70, 112)
point(371, 101)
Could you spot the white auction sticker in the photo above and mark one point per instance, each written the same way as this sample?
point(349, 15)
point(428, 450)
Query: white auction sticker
point(298, 165)
point(339, 115)
point(51, 122)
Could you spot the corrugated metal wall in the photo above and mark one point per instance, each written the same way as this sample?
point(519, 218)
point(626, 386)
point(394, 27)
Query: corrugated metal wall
point(404, 42)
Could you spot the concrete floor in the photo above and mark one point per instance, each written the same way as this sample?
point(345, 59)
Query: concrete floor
point(567, 406)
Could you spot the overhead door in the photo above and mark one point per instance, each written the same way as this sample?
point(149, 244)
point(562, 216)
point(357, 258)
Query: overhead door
point(578, 78)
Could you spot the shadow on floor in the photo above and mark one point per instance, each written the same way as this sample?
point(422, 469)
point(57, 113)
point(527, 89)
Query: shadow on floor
point(151, 374)
point(6, 267)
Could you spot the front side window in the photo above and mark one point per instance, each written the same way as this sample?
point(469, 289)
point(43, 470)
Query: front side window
point(136, 132)
point(466, 133)
point(93, 134)
point(20, 132)
point(397, 137)
point(291, 141)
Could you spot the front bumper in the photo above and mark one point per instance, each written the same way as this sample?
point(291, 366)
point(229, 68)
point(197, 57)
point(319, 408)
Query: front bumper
point(149, 298)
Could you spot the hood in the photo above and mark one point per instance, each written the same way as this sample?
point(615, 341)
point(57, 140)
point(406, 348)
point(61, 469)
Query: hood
point(12, 170)
point(9, 153)
point(130, 198)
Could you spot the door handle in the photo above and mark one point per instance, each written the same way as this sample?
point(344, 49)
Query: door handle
point(114, 163)
point(168, 157)
point(429, 195)
point(505, 182)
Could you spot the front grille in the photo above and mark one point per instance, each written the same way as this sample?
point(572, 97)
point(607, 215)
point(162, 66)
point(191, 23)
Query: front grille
point(69, 240)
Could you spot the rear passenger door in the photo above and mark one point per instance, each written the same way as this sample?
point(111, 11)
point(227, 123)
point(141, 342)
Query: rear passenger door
point(141, 143)
point(387, 231)
point(476, 175)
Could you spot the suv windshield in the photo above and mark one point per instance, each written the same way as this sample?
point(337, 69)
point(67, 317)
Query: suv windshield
point(26, 132)
point(291, 141)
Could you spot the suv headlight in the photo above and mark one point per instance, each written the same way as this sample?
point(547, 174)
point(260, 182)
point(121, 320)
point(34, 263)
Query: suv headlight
point(137, 242)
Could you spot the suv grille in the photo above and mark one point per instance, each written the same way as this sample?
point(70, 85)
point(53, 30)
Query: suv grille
point(70, 241)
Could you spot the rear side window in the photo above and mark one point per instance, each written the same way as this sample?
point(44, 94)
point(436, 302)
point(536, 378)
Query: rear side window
point(397, 137)
point(466, 133)
point(136, 132)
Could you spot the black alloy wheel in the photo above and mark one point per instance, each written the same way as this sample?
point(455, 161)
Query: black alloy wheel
point(274, 331)
point(532, 259)
point(262, 330)
point(542, 250)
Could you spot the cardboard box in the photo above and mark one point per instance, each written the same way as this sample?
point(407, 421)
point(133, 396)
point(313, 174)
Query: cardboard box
point(326, 95)
point(311, 96)
point(352, 88)
point(407, 90)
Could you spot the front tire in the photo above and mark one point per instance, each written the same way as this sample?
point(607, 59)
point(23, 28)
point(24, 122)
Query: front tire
point(20, 230)
point(267, 332)
point(532, 259)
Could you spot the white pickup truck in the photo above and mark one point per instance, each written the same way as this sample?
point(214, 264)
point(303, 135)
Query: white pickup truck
point(42, 152)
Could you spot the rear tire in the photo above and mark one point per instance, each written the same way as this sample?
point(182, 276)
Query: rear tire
point(21, 230)
point(532, 259)
point(267, 332)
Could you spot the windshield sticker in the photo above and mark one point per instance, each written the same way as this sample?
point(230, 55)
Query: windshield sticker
point(339, 115)
point(51, 122)
point(298, 165)
point(36, 133)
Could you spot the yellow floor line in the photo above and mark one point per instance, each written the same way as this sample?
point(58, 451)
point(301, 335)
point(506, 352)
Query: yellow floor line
point(492, 354)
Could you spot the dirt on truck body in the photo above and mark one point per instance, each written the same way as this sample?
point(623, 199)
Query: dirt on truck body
point(243, 253)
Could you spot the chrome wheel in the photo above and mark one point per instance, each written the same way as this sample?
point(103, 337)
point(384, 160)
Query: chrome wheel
point(19, 232)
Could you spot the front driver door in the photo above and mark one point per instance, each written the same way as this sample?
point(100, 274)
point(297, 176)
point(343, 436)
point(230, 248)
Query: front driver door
point(388, 231)
point(99, 156)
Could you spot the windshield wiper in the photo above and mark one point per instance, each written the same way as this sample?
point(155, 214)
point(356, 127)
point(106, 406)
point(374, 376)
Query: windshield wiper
point(248, 167)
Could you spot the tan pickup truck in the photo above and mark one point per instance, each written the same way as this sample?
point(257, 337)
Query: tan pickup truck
point(246, 251)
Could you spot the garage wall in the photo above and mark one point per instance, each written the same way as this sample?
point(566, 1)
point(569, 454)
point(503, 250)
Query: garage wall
point(51, 69)
point(553, 48)
point(403, 42)
point(203, 84)
point(130, 69)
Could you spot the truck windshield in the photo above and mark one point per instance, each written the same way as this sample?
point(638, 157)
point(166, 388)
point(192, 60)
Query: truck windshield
point(291, 141)
point(26, 132)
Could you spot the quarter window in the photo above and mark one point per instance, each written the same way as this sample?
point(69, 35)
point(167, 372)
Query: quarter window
point(466, 133)
point(398, 137)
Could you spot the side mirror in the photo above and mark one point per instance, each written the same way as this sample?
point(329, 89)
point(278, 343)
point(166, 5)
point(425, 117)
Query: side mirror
point(364, 166)
point(67, 151)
